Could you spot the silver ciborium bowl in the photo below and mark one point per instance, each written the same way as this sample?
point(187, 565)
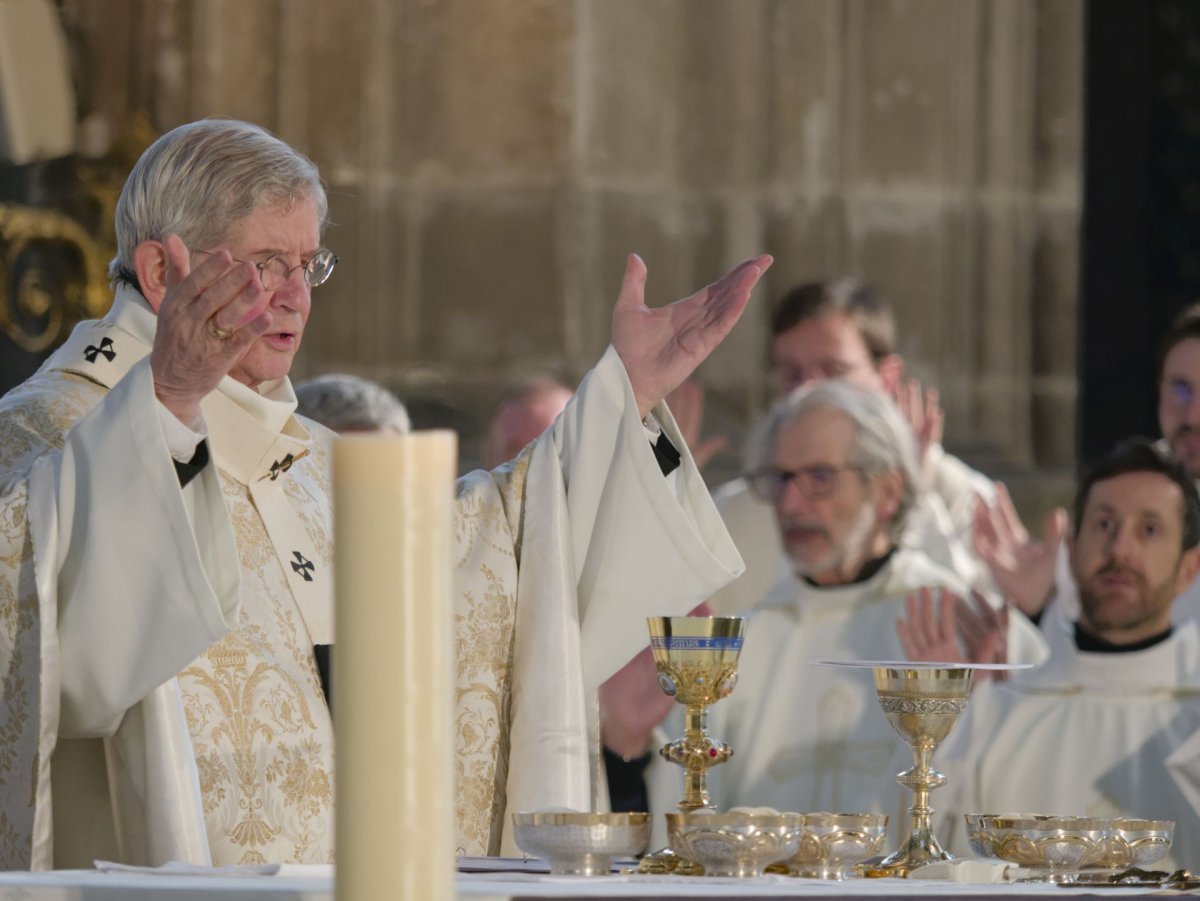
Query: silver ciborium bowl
point(832, 844)
point(581, 844)
point(1057, 848)
point(1149, 841)
point(738, 843)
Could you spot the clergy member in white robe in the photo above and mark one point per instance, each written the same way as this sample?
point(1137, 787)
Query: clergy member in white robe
point(1035, 573)
point(843, 328)
point(838, 463)
point(166, 545)
point(1092, 731)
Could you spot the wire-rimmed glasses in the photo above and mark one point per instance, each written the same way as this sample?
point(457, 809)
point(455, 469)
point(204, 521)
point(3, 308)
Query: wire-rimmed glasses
point(814, 482)
point(274, 271)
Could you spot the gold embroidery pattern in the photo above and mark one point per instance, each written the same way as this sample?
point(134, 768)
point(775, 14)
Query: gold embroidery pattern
point(260, 728)
point(33, 419)
point(308, 490)
point(485, 614)
point(19, 662)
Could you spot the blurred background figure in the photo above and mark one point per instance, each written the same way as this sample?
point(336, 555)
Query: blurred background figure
point(347, 403)
point(523, 413)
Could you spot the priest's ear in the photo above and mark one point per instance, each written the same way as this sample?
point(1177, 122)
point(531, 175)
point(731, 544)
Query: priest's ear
point(1189, 566)
point(889, 491)
point(159, 265)
point(150, 264)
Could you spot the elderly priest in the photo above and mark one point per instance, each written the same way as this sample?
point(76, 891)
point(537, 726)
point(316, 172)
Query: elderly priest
point(1099, 729)
point(165, 541)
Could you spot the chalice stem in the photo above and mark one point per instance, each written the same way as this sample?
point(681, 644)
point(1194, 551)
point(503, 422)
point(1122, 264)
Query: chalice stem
point(695, 735)
point(922, 846)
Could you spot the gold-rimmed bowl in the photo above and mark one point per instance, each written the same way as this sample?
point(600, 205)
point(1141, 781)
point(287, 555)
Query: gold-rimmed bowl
point(1148, 841)
point(1061, 846)
point(581, 844)
point(738, 843)
point(832, 844)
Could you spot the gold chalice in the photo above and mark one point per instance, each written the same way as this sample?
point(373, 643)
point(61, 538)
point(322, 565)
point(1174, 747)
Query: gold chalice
point(696, 658)
point(922, 702)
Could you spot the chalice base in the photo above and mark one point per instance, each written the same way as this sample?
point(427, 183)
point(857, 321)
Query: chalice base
point(667, 863)
point(919, 851)
point(837, 873)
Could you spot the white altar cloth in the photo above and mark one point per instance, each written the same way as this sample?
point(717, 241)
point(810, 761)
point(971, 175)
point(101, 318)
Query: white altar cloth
point(316, 884)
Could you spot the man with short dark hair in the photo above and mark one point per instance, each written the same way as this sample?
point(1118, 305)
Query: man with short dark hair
point(1032, 573)
point(1179, 389)
point(1091, 731)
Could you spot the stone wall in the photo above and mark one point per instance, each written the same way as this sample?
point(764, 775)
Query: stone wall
point(491, 162)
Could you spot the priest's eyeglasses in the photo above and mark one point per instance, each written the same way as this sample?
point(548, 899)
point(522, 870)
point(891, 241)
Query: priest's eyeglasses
point(274, 271)
point(815, 482)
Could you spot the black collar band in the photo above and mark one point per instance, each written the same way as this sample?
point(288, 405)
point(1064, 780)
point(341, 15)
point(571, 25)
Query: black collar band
point(1086, 641)
point(865, 574)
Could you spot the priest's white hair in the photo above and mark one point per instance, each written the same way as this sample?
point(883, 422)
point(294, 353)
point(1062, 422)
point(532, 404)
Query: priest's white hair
point(347, 403)
point(199, 179)
point(884, 441)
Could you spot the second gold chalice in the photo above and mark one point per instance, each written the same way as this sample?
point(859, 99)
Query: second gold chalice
point(922, 704)
point(922, 701)
point(696, 658)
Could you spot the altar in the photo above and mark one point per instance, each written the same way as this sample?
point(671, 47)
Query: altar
point(315, 883)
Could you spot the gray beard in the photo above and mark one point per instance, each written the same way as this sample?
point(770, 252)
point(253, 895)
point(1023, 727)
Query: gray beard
point(853, 547)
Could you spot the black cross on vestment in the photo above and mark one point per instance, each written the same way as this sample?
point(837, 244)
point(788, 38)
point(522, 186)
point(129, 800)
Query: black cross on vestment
point(280, 466)
point(106, 348)
point(304, 567)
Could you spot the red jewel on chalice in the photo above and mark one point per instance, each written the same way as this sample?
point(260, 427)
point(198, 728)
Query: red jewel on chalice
point(712, 752)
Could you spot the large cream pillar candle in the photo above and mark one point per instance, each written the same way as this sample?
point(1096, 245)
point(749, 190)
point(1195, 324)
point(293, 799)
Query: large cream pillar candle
point(392, 701)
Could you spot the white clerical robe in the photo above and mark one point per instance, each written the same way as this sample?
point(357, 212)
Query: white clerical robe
point(1086, 734)
point(812, 738)
point(940, 526)
point(161, 637)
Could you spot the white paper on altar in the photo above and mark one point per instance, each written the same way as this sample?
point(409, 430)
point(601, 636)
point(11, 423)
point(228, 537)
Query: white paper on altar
point(919, 664)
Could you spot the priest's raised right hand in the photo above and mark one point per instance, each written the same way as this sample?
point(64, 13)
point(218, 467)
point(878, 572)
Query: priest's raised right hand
point(208, 318)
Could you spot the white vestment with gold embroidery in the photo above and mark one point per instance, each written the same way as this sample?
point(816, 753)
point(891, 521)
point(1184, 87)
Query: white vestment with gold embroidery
point(158, 641)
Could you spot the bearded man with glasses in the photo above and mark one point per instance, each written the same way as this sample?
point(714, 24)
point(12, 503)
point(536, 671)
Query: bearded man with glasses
point(166, 542)
point(838, 464)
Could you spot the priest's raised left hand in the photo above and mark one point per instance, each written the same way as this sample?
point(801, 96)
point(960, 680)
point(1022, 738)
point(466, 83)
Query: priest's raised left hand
point(662, 347)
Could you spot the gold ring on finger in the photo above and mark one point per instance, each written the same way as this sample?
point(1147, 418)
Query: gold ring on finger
point(217, 332)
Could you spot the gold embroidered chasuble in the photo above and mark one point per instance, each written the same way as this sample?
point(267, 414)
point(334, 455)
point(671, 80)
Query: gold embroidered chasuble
point(218, 742)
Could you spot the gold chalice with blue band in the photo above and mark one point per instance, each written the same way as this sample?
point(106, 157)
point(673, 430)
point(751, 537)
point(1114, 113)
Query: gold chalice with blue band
point(696, 658)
